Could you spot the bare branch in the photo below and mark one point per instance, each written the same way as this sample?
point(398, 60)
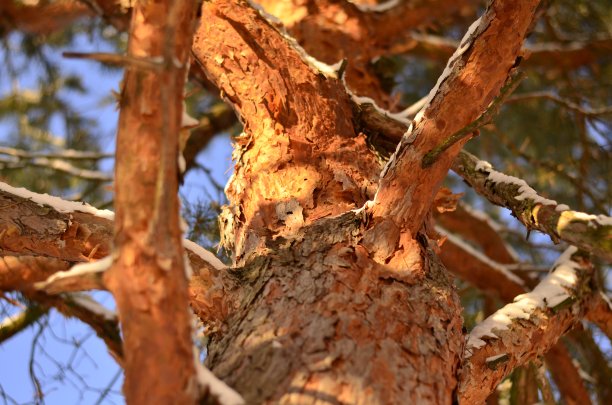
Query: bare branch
point(57, 165)
point(66, 154)
point(117, 60)
point(588, 232)
point(589, 112)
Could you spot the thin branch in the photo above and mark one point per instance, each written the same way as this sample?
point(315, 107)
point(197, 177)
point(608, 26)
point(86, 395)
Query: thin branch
point(117, 60)
point(548, 95)
point(14, 324)
point(588, 232)
point(66, 154)
point(57, 165)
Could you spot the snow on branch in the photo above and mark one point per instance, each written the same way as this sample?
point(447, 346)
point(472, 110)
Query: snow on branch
point(210, 385)
point(591, 233)
point(377, 8)
point(56, 203)
point(478, 269)
point(526, 328)
point(80, 277)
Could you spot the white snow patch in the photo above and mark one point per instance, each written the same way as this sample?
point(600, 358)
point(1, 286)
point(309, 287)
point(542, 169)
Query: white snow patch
point(378, 8)
point(182, 163)
point(87, 302)
point(491, 359)
point(480, 256)
point(225, 394)
point(550, 292)
point(483, 166)
point(204, 254)
point(57, 203)
point(482, 216)
point(562, 207)
point(525, 192)
point(330, 71)
point(80, 269)
point(464, 45)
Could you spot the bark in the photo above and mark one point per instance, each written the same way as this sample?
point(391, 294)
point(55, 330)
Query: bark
point(332, 30)
point(320, 318)
point(299, 158)
point(474, 76)
point(322, 321)
point(148, 279)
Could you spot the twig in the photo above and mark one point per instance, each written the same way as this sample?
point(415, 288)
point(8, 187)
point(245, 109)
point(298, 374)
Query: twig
point(589, 112)
point(117, 60)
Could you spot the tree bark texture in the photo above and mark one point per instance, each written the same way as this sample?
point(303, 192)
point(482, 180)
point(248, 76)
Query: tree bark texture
point(148, 279)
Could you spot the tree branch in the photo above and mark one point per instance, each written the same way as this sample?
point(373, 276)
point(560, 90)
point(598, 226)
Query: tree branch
point(471, 80)
point(600, 313)
point(14, 324)
point(527, 328)
point(588, 232)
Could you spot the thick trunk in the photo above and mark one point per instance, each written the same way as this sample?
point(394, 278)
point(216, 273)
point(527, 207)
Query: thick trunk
point(322, 321)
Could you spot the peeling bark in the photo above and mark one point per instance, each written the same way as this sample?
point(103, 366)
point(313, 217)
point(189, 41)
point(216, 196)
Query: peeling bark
point(299, 158)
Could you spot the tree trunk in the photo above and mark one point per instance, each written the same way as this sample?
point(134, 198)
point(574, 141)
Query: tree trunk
point(322, 321)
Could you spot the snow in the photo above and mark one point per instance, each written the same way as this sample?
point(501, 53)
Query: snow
point(528, 193)
point(188, 121)
point(549, 293)
point(87, 302)
point(330, 71)
point(482, 216)
point(479, 256)
point(378, 8)
point(491, 359)
point(204, 254)
point(57, 203)
point(464, 45)
point(483, 166)
point(80, 269)
point(182, 163)
point(216, 387)
point(400, 116)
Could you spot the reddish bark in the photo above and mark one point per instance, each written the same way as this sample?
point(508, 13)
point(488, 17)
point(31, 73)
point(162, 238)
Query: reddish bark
point(147, 279)
point(332, 30)
point(299, 158)
point(408, 187)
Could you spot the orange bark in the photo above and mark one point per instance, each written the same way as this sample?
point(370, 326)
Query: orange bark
point(148, 279)
point(408, 187)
